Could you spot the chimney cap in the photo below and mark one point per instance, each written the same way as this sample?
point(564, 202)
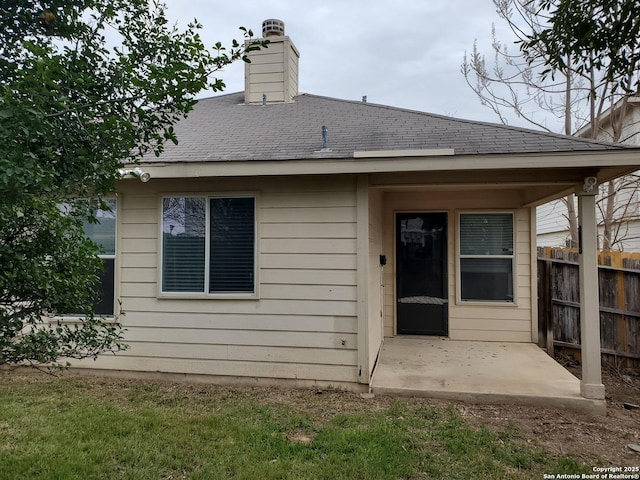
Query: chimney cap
point(272, 27)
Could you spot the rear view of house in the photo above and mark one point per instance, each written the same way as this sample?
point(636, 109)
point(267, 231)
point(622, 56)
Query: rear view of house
point(287, 234)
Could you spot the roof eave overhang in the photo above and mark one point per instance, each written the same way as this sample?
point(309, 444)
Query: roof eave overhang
point(617, 159)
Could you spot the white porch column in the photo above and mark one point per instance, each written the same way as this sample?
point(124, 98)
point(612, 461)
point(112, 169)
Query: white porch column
point(362, 289)
point(591, 385)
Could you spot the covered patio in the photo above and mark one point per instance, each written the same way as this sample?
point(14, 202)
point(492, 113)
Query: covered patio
point(474, 371)
point(481, 345)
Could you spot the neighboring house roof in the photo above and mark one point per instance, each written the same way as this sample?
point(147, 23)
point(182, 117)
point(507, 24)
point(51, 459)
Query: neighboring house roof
point(224, 128)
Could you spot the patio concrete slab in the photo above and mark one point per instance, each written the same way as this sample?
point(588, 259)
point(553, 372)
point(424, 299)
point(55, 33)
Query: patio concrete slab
point(486, 372)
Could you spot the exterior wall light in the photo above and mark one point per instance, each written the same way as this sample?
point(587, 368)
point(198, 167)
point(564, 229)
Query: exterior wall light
point(590, 185)
point(136, 172)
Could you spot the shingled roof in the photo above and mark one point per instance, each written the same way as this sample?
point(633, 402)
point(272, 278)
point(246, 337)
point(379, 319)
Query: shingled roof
point(224, 128)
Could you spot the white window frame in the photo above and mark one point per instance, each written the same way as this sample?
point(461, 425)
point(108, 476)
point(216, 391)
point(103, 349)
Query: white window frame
point(70, 317)
point(512, 257)
point(114, 257)
point(255, 295)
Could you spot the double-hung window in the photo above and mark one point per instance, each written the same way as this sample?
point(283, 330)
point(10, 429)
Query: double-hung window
point(209, 245)
point(486, 257)
point(103, 233)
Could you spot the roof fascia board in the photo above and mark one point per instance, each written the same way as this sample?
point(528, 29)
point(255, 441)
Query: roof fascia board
point(521, 176)
point(617, 158)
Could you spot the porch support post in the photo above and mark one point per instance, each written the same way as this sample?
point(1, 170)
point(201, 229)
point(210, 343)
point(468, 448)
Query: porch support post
point(362, 289)
point(534, 273)
point(591, 385)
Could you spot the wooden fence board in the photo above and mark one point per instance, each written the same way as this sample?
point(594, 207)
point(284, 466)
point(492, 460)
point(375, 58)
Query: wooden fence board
point(559, 301)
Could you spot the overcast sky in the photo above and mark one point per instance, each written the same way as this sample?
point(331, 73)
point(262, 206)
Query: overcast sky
point(405, 53)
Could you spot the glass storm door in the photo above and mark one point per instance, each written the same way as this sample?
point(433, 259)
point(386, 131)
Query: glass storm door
point(421, 273)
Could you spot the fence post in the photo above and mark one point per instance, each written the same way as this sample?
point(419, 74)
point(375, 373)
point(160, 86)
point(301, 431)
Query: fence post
point(621, 337)
point(548, 306)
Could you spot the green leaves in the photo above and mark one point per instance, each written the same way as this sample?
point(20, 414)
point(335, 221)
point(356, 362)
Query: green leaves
point(594, 35)
point(72, 112)
point(47, 266)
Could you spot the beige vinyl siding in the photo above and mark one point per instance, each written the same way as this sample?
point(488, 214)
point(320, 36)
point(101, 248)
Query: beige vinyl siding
point(272, 71)
point(291, 85)
point(303, 325)
point(467, 321)
point(228, 368)
point(266, 74)
point(491, 322)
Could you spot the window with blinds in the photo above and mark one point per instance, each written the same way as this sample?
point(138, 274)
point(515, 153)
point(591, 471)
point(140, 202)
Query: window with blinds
point(208, 245)
point(486, 257)
point(103, 233)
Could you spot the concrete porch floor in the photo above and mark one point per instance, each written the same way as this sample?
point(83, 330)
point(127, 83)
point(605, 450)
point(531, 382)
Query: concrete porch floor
point(484, 372)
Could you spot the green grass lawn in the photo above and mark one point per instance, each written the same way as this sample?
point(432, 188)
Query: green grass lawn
point(90, 428)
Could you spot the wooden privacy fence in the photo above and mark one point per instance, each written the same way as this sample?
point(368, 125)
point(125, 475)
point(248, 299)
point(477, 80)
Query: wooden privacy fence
point(559, 303)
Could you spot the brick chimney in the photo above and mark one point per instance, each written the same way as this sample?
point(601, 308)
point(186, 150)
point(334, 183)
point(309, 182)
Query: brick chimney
point(273, 71)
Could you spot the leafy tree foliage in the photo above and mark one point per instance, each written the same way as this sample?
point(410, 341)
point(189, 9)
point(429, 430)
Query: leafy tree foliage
point(596, 35)
point(86, 86)
point(544, 80)
point(599, 39)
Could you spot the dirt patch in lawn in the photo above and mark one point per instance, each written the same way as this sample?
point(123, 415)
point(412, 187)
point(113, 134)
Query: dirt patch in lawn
point(596, 440)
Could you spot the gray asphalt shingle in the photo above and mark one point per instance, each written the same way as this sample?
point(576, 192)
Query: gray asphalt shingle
point(223, 128)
